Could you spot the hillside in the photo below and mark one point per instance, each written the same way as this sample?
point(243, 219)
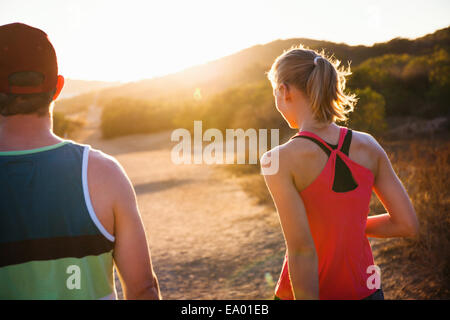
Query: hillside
point(74, 88)
point(251, 63)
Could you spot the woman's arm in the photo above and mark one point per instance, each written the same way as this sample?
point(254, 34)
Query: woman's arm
point(401, 220)
point(302, 257)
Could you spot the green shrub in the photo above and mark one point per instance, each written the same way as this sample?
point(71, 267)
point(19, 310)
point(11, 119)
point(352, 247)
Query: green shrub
point(411, 85)
point(369, 113)
point(123, 116)
point(64, 126)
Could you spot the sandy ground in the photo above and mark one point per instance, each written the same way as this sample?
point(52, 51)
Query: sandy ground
point(208, 238)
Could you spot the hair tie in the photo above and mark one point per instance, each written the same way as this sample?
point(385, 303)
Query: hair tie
point(315, 60)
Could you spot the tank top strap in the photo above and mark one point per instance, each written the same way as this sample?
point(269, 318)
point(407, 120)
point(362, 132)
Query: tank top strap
point(345, 138)
point(345, 149)
point(315, 138)
point(342, 134)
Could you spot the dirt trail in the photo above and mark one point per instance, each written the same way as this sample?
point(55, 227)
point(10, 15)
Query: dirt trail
point(207, 237)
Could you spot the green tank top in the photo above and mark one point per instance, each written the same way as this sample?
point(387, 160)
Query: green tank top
point(52, 245)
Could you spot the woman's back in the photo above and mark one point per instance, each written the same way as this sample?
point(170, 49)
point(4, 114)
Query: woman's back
point(336, 192)
point(309, 159)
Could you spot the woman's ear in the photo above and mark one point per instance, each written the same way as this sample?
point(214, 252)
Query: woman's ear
point(59, 86)
point(283, 91)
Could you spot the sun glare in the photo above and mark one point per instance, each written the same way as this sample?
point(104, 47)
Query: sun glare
point(133, 40)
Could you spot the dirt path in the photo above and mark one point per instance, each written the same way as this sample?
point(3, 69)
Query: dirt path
point(208, 238)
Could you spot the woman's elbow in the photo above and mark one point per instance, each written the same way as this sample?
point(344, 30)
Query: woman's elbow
point(302, 249)
point(412, 229)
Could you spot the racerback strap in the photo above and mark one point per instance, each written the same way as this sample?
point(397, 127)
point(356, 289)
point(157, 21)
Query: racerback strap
point(343, 179)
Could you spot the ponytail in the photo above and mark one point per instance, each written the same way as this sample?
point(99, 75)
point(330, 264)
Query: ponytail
point(319, 77)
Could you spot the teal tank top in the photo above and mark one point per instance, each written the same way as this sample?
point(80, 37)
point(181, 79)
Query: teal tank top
point(52, 245)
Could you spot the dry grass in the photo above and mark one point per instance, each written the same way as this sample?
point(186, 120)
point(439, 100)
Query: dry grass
point(424, 262)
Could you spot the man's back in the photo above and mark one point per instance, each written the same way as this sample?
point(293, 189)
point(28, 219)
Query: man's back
point(68, 213)
point(52, 243)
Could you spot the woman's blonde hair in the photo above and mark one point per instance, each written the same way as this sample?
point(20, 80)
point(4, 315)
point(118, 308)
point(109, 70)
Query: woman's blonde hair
point(320, 79)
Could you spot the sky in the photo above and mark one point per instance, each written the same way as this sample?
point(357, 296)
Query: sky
point(130, 40)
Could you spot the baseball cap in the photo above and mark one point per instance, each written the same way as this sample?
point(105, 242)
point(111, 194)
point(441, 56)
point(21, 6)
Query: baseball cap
point(25, 48)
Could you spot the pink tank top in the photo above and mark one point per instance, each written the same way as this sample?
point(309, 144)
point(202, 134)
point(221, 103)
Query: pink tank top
point(337, 205)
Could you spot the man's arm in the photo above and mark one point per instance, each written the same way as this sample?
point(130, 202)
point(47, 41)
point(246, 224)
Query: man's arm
point(131, 253)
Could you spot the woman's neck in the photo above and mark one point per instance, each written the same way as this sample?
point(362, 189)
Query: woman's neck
point(327, 131)
point(307, 122)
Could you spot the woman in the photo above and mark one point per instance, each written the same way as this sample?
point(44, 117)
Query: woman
point(326, 174)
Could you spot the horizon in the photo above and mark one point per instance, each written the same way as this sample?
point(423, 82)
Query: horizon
point(206, 34)
point(233, 53)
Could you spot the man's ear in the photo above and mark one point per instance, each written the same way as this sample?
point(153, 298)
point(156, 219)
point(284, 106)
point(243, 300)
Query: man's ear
point(59, 86)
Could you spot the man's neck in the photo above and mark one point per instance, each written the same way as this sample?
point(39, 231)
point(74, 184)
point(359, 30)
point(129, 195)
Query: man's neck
point(22, 132)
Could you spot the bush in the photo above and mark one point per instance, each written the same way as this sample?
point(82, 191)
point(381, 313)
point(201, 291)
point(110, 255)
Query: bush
point(369, 114)
point(122, 116)
point(411, 85)
point(64, 126)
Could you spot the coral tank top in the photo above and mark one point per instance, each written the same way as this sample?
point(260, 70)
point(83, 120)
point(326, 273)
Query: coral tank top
point(337, 206)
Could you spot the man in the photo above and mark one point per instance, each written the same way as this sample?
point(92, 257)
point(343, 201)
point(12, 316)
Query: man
point(67, 213)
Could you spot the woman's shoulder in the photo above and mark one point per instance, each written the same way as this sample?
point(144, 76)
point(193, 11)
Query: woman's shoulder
point(367, 151)
point(366, 142)
point(298, 149)
point(293, 155)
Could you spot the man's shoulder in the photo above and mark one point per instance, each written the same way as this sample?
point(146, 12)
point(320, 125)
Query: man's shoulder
point(103, 164)
point(106, 175)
